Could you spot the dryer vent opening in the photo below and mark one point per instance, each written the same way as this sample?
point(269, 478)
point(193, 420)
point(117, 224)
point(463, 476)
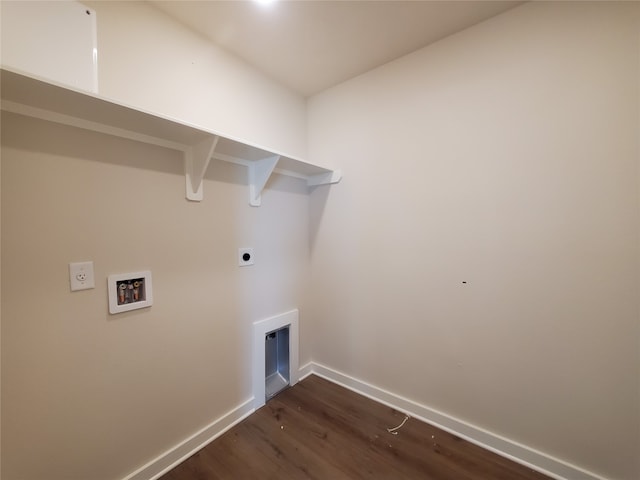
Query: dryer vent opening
point(276, 351)
point(275, 355)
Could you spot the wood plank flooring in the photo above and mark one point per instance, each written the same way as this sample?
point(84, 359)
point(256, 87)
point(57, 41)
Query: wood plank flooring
point(319, 430)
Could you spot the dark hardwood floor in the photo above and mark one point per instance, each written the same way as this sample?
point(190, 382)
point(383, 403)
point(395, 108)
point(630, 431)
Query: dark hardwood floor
point(319, 430)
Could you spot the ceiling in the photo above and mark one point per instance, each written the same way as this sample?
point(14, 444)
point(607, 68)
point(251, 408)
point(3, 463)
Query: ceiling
point(311, 45)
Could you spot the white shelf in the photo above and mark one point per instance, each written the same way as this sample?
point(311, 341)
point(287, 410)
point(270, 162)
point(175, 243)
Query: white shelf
point(26, 95)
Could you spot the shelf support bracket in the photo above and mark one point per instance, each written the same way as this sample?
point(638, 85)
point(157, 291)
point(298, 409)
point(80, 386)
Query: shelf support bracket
point(259, 173)
point(196, 161)
point(324, 178)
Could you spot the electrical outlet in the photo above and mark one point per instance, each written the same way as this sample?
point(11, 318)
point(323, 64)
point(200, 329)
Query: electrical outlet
point(81, 276)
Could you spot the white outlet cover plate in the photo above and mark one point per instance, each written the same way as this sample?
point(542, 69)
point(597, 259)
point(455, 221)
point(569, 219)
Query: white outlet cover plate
point(241, 253)
point(81, 276)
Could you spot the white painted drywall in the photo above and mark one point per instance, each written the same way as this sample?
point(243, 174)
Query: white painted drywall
point(150, 61)
point(481, 254)
point(53, 40)
point(504, 157)
point(95, 396)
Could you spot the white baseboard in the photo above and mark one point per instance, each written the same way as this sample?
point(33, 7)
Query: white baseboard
point(515, 451)
point(502, 446)
point(177, 454)
point(305, 371)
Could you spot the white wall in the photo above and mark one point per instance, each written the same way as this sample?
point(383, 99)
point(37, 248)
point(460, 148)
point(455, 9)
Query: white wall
point(90, 395)
point(148, 60)
point(504, 157)
point(480, 256)
point(33, 41)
